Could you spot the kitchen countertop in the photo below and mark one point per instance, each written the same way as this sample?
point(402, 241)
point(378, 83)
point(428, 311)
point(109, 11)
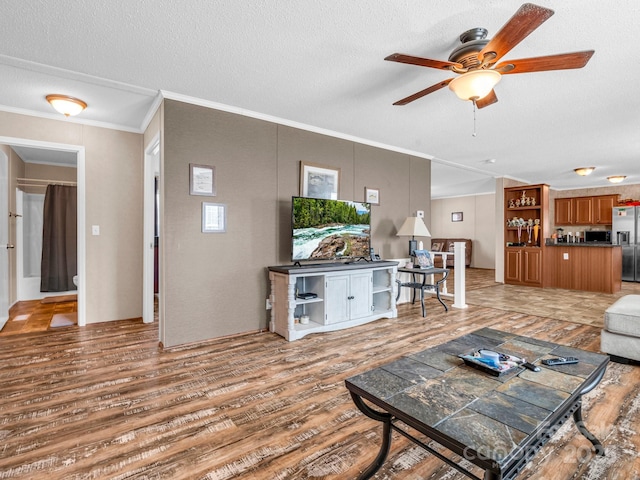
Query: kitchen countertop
point(580, 244)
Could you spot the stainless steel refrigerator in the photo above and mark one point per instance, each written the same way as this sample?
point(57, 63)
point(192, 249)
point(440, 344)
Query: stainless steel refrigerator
point(626, 233)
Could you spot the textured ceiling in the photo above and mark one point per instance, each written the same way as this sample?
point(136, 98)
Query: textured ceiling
point(320, 64)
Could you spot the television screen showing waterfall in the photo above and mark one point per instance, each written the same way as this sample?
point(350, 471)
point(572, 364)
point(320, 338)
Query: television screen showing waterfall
point(326, 229)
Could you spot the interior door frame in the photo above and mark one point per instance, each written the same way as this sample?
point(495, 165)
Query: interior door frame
point(4, 248)
point(151, 167)
point(82, 245)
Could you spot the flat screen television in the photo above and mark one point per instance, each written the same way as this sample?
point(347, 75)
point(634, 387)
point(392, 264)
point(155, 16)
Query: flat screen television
point(325, 229)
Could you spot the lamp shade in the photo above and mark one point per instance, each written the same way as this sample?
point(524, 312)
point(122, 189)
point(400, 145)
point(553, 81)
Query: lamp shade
point(413, 227)
point(474, 85)
point(68, 106)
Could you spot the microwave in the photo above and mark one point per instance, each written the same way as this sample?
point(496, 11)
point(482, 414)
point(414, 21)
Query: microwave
point(599, 236)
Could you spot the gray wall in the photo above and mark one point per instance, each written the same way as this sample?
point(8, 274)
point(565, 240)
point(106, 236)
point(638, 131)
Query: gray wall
point(216, 284)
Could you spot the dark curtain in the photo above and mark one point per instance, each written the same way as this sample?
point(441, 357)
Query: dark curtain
point(59, 239)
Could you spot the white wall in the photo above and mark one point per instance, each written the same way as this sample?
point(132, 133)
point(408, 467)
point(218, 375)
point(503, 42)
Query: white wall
point(478, 224)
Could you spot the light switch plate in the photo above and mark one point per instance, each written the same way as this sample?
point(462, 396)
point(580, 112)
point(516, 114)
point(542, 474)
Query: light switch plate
point(420, 214)
point(95, 229)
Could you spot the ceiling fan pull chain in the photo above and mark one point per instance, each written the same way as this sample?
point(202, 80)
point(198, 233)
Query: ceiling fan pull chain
point(474, 117)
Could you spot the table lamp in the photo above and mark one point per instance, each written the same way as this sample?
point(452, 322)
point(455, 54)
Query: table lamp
point(413, 226)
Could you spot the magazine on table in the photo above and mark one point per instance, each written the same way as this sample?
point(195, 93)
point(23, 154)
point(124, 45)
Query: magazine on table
point(423, 258)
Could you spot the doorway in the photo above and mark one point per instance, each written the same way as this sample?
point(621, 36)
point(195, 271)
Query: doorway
point(28, 247)
point(81, 239)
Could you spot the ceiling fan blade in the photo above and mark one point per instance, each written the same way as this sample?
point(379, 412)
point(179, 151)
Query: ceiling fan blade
point(487, 100)
point(422, 93)
point(563, 61)
point(423, 62)
point(524, 21)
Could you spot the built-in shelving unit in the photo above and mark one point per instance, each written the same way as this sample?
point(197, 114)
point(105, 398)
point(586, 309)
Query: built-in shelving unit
point(346, 295)
point(526, 210)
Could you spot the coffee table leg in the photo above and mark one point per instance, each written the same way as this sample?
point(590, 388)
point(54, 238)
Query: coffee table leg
point(577, 418)
point(491, 476)
point(385, 418)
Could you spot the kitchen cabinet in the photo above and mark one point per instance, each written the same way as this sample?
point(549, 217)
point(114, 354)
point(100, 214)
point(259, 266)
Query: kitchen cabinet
point(584, 267)
point(583, 208)
point(563, 213)
point(513, 266)
point(603, 209)
point(523, 266)
point(594, 210)
point(532, 263)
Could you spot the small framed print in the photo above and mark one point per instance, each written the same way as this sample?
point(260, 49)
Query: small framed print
point(214, 217)
point(456, 216)
point(372, 195)
point(436, 246)
point(202, 180)
point(318, 181)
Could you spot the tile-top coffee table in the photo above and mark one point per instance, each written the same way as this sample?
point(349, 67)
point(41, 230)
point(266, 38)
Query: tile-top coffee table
point(496, 423)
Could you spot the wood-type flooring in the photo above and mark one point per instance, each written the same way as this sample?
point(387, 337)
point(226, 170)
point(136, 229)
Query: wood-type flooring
point(106, 402)
point(32, 316)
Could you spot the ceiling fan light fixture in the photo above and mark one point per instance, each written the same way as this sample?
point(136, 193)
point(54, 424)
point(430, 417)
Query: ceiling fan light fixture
point(475, 84)
point(584, 171)
point(616, 178)
point(66, 105)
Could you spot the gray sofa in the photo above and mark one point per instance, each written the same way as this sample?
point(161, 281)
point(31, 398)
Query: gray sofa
point(620, 337)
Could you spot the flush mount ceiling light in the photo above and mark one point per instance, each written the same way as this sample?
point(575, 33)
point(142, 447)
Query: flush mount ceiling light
point(584, 171)
point(616, 178)
point(68, 106)
point(474, 85)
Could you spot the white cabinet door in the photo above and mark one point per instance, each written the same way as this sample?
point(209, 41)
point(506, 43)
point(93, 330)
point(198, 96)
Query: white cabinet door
point(360, 295)
point(348, 297)
point(336, 299)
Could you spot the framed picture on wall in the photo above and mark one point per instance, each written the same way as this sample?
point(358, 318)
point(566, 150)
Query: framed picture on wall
point(214, 217)
point(317, 181)
point(456, 216)
point(202, 180)
point(436, 246)
point(372, 195)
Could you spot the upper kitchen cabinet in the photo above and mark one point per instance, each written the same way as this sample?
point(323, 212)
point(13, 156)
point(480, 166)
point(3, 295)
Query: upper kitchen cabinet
point(603, 208)
point(584, 210)
point(563, 212)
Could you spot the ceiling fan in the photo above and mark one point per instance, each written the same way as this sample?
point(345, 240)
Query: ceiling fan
point(476, 60)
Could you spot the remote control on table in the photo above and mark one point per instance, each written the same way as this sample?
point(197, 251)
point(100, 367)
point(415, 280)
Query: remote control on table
point(530, 366)
point(559, 361)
